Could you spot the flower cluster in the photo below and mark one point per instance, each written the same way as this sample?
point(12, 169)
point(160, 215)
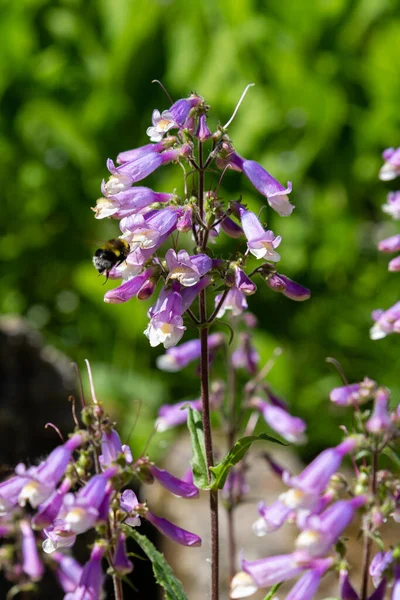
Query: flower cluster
point(388, 321)
point(148, 219)
point(322, 503)
point(81, 486)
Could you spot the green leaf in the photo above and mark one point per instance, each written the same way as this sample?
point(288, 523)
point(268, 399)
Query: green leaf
point(390, 453)
point(221, 470)
point(273, 591)
point(199, 461)
point(161, 569)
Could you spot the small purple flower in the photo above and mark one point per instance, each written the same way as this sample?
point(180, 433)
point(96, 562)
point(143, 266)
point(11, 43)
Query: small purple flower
point(49, 510)
point(128, 202)
point(386, 322)
point(289, 288)
point(392, 207)
point(173, 532)
point(91, 580)
point(290, 428)
point(112, 449)
point(68, 571)
point(261, 243)
point(179, 357)
point(235, 301)
point(162, 123)
point(378, 566)
point(166, 324)
point(272, 517)
point(174, 117)
point(187, 269)
point(31, 563)
point(129, 288)
point(58, 535)
point(243, 282)
point(145, 231)
point(391, 167)
point(308, 584)
point(132, 172)
point(9, 493)
point(353, 394)
point(391, 244)
point(232, 229)
point(129, 503)
point(171, 415)
point(173, 484)
point(273, 569)
point(380, 421)
point(40, 482)
point(130, 155)
point(347, 592)
point(185, 222)
point(121, 562)
point(394, 265)
point(203, 133)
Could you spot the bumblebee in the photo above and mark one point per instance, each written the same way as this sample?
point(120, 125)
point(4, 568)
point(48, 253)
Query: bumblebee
point(110, 255)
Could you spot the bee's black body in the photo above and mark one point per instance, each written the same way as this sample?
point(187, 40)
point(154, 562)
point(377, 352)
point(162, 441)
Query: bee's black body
point(110, 255)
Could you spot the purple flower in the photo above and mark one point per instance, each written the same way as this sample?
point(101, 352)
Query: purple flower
point(243, 282)
point(31, 563)
point(308, 584)
point(235, 301)
point(261, 243)
point(179, 357)
point(391, 167)
point(129, 288)
point(171, 415)
point(174, 117)
point(185, 222)
point(273, 569)
point(242, 585)
point(313, 480)
point(347, 592)
point(112, 449)
point(166, 323)
point(145, 231)
point(9, 492)
point(41, 481)
point(380, 420)
point(68, 571)
point(290, 428)
point(289, 288)
point(394, 264)
point(269, 187)
point(378, 566)
point(121, 562)
point(173, 484)
point(91, 580)
point(135, 170)
point(162, 123)
point(353, 394)
point(391, 244)
point(245, 356)
point(187, 269)
point(173, 532)
point(203, 133)
point(232, 229)
point(396, 583)
point(129, 503)
point(386, 322)
point(49, 510)
point(272, 517)
point(128, 202)
point(379, 593)
point(130, 155)
point(392, 207)
point(58, 535)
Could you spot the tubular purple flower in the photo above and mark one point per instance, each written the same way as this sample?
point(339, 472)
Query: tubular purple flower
point(129, 288)
point(129, 503)
point(180, 110)
point(243, 282)
point(31, 563)
point(269, 187)
point(68, 571)
point(380, 421)
point(386, 322)
point(245, 356)
point(380, 591)
point(144, 231)
point(179, 357)
point(394, 265)
point(91, 580)
point(185, 222)
point(49, 510)
point(380, 562)
point(272, 517)
point(396, 583)
point(173, 484)
point(235, 301)
point(273, 569)
point(128, 202)
point(308, 584)
point(260, 243)
point(9, 493)
point(347, 592)
point(290, 428)
point(174, 117)
point(41, 481)
point(354, 394)
point(187, 269)
point(111, 449)
point(391, 244)
point(121, 562)
point(58, 535)
point(173, 532)
point(232, 229)
point(130, 155)
point(137, 170)
point(391, 167)
point(315, 477)
point(203, 133)
point(392, 207)
point(289, 288)
point(171, 415)
point(166, 324)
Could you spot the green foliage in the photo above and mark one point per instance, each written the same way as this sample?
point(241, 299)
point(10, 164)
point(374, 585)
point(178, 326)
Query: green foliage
point(161, 569)
point(199, 461)
point(273, 591)
point(75, 88)
point(221, 470)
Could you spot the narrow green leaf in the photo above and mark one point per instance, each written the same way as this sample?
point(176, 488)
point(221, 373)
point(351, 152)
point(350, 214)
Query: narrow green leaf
point(161, 569)
point(390, 453)
point(221, 470)
point(273, 591)
point(199, 461)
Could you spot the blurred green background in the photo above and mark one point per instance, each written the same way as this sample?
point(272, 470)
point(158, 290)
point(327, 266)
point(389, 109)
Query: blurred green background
point(75, 88)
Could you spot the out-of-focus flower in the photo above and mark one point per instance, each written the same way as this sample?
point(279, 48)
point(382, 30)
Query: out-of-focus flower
point(91, 580)
point(121, 562)
point(391, 167)
point(392, 206)
point(245, 356)
point(380, 562)
point(391, 244)
point(112, 449)
point(386, 322)
point(290, 428)
point(235, 301)
point(380, 420)
point(287, 287)
point(354, 394)
point(31, 563)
